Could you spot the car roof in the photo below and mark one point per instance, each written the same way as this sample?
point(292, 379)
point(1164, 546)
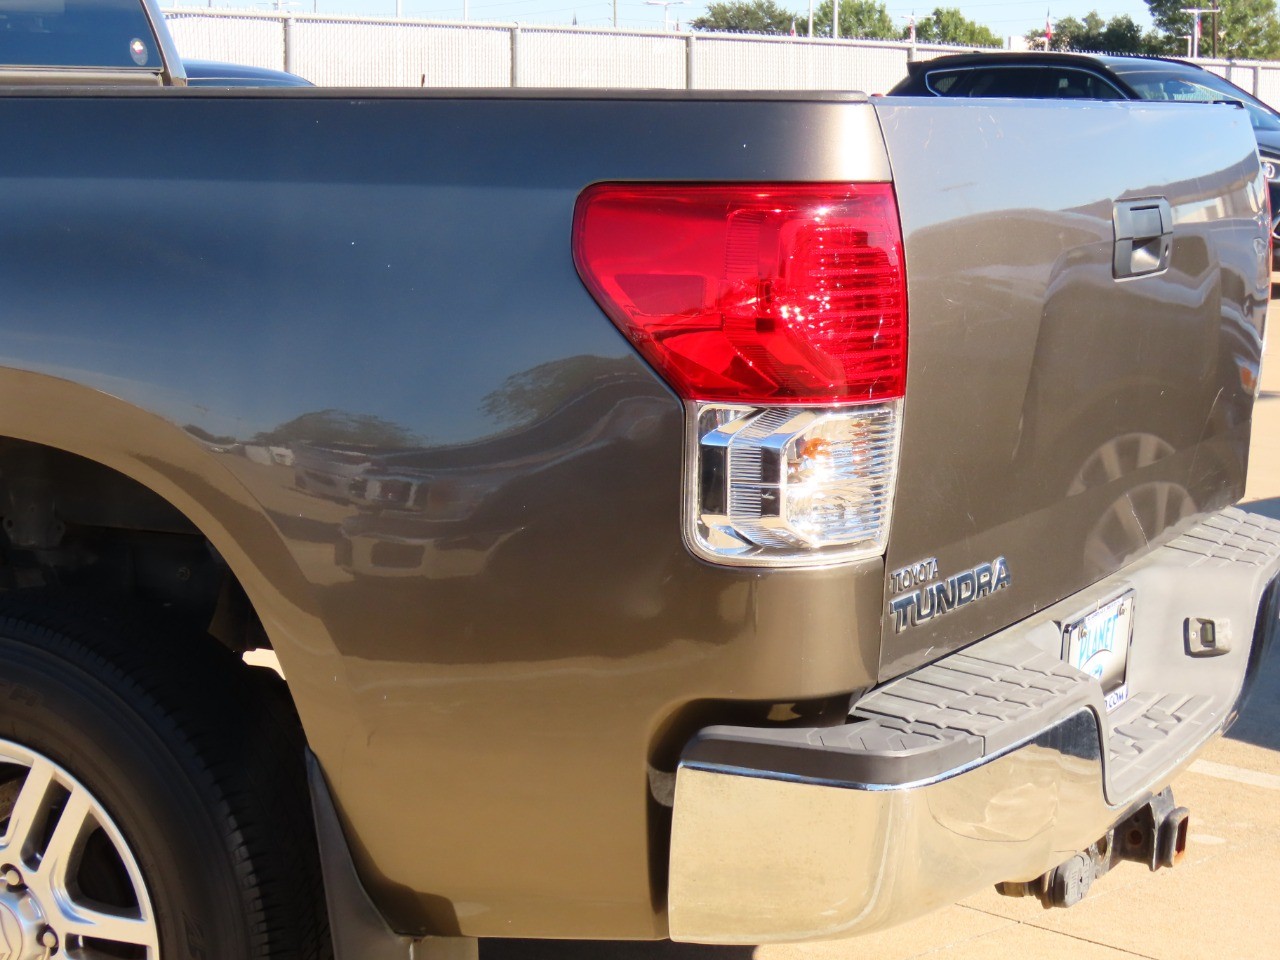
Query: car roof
point(978, 58)
point(211, 72)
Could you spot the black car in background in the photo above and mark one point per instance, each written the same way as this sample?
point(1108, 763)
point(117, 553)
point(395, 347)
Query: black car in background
point(1078, 76)
point(214, 73)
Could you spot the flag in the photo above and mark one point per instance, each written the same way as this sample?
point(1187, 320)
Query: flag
point(793, 27)
point(1048, 30)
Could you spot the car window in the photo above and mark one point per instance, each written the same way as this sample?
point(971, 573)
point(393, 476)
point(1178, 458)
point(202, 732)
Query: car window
point(945, 83)
point(1068, 84)
point(76, 33)
point(1006, 82)
point(1024, 82)
point(1198, 86)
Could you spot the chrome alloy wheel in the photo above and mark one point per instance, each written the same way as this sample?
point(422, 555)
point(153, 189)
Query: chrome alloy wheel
point(69, 885)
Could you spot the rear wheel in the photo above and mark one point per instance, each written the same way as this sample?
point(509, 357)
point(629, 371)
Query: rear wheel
point(152, 797)
point(71, 885)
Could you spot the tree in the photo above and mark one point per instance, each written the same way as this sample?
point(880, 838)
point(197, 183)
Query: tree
point(1117, 35)
point(1247, 29)
point(1123, 35)
point(746, 16)
point(858, 18)
point(949, 25)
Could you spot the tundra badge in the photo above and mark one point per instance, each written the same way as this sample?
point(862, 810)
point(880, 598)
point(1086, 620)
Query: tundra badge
point(926, 596)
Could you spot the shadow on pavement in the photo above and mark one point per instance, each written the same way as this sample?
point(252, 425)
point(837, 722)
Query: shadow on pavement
point(1259, 721)
point(610, 949)
point(1267, 508)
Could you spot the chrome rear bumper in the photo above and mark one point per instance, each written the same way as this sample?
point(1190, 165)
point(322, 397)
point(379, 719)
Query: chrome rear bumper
point(993, 764)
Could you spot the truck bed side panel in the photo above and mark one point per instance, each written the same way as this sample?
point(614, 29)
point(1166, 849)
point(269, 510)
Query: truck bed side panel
point(360, 316)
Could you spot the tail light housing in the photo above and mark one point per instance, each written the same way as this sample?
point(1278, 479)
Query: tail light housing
point(778, 312)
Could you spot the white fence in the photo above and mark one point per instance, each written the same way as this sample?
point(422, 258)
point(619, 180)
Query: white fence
point(348, 51)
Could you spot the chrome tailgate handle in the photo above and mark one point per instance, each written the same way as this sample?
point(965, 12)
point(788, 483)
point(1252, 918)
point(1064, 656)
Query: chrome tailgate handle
point(1144, 237)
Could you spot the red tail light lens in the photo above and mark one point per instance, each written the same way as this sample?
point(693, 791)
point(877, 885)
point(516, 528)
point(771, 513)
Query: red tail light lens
point(755, 293)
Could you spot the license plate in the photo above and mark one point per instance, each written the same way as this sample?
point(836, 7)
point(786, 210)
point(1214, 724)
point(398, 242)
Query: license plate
point(1098, 644)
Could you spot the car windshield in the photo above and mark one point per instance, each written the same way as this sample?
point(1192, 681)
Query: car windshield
point(1197, 86)
point(76, 33)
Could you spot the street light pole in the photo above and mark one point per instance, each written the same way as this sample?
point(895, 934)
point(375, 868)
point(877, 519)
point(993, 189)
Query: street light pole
point(664, 4)
point(1195, 29)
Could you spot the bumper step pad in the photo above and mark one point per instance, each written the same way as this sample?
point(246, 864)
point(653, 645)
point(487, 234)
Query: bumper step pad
point(1143, 726)
point(1003, 691)
point(1232, 536)
point(981, 701)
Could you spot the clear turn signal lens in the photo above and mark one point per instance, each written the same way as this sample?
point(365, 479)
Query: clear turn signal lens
point(784, 486)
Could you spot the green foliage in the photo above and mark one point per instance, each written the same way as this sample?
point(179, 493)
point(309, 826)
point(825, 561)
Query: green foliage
point(1247, 29)
point(949, 25)
point(747, 16)
point(1117, 35)
point(1123, 35)
point(858, 18)
point(1168, 16)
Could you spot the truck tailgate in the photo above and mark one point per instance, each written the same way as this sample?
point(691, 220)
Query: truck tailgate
point(1062, 417)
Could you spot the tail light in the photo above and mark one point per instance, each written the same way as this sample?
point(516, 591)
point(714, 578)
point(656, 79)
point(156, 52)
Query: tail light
point(779, 314)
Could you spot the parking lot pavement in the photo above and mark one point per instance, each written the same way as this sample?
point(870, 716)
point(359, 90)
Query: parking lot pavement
point(1220, 903)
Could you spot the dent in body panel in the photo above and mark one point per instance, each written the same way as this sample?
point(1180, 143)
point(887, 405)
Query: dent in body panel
point(1054, 415)
point(365, 321)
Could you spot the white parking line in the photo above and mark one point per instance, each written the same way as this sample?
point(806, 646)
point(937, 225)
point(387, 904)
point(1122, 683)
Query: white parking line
point(1223, 771)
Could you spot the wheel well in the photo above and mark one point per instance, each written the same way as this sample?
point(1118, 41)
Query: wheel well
point(70, 522)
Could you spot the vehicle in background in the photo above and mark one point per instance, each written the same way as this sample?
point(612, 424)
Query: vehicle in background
point(214, 73)
point(1088, 76)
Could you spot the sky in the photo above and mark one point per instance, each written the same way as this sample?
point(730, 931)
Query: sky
point(1004, 17)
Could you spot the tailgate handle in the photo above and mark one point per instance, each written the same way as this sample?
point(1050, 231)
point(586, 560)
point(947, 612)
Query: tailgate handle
point(1144, 237)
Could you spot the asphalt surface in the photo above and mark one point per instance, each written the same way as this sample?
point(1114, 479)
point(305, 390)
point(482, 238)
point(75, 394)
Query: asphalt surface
point(1220, 902)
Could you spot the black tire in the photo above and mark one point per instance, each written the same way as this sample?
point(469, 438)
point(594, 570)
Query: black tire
point(196, 758)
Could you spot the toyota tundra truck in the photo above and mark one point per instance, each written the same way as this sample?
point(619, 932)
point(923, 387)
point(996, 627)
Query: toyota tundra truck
point(725, 517)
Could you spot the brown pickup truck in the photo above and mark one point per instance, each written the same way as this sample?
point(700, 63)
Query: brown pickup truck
point(724, 517)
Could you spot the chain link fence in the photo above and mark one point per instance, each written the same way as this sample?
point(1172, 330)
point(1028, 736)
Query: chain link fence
point(358, 52)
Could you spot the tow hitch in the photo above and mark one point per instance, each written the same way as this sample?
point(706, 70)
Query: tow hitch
point(1156, 834)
